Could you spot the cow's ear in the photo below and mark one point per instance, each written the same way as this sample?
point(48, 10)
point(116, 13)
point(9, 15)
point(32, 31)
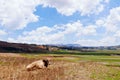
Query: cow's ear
point(44, 60)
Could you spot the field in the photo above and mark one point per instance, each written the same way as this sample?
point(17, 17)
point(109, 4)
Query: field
point(62, 67)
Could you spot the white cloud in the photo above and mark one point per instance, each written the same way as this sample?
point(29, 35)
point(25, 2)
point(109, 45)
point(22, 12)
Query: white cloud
point(117, 34)
point(90, 30)
point(111, 25)
point(105, 41)
point(112, 22)
point(100, 23)
point(16, 14)
point(2, 32)
point(108, 41)
point(107, 1)
point(56, 34)
point(68, 7)
point(87, 42)
point(39, 36)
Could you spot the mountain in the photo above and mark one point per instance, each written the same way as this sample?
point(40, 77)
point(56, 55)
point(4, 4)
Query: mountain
point(83, 48)
point(73, 45)
point(65, 45)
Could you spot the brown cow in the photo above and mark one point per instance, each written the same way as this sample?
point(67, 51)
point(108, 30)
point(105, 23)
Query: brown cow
point(38, 65)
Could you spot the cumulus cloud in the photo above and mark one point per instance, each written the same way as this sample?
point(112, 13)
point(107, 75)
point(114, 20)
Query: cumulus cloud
point(91, 29)
point(111, 25)
point(105, 41)
point(112, 21)
point(56, 34)
point(42, 35)
point(16, 14)
point(68, 7)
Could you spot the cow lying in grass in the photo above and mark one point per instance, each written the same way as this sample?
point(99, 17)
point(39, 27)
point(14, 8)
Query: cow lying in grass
point(38, 65)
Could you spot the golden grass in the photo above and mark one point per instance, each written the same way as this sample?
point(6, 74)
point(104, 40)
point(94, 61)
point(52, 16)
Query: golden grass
point(14, 68)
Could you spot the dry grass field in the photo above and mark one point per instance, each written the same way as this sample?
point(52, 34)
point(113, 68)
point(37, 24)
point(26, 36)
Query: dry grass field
point(13, 67)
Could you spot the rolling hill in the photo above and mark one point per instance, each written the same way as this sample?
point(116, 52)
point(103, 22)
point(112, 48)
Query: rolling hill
point(19, 47)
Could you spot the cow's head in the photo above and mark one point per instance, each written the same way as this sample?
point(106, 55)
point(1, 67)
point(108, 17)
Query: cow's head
point(46, 62)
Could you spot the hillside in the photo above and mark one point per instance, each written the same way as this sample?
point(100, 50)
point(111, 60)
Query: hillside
point(19, 47)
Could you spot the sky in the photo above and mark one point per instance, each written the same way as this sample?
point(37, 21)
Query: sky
point(84, 22)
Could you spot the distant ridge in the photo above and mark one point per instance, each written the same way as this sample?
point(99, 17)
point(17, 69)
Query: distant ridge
point(19, 47)
point(81, 48)
point(34, 48)
point(65, 45)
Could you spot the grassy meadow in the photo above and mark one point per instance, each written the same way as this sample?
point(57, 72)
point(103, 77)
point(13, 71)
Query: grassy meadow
point(63, 66)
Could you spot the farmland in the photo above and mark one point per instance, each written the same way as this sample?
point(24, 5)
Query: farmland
point(62, 66)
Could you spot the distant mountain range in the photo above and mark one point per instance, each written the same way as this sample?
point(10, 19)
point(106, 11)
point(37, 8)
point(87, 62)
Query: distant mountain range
point(32, 48)
point(79, 47)
point(65, 45)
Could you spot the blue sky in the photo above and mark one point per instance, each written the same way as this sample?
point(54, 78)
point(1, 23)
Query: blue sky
point(84, 22)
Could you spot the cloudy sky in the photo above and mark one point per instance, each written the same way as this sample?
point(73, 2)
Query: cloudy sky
point(84, 22)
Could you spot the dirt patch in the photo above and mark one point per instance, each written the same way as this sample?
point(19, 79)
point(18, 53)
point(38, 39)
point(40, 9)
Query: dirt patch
point(10, 55)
